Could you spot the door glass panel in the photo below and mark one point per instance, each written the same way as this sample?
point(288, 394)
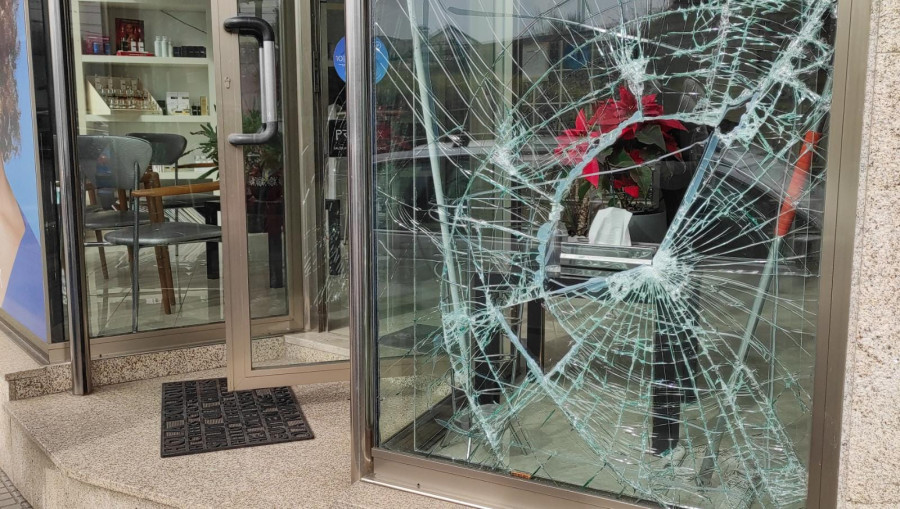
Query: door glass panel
point(146, 69)
point(264, 174)
point(598, 240)
point(296, 202)
point(264, 181)
point(334, 96)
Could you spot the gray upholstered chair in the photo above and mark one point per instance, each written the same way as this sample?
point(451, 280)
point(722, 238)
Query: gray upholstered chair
point(127, 160)
point(96, 179)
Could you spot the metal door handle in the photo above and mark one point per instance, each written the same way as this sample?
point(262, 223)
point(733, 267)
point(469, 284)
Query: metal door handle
point(265, 36)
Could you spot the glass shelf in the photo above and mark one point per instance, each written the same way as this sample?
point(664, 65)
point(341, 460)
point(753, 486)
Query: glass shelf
point(167, 61)
point(141, 118)
point(144, 5)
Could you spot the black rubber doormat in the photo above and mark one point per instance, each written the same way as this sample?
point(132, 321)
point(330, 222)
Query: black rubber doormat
point(202, 416)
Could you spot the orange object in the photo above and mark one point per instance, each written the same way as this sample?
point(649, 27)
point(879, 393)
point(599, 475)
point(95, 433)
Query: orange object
point(520, 475)
point(798, 183)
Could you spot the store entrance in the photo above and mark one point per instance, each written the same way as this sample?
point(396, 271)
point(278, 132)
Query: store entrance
point(213, 161)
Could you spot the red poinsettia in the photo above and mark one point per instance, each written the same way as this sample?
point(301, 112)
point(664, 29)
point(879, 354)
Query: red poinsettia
point(638, 141)
point(573, 146)
point(611, 113)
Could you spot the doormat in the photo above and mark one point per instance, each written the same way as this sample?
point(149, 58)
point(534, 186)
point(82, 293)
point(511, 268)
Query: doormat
point(202, 416)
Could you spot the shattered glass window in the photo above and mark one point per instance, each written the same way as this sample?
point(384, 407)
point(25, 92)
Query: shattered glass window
point(598, 229)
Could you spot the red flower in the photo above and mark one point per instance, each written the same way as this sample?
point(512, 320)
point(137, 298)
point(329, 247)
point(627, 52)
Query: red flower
point(573, 145)
point(592, 172)
point(627, 185)
point(672, 145)
point(635, 155)
point(611, 113)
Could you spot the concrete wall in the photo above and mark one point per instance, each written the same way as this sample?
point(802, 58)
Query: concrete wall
point(870, 449)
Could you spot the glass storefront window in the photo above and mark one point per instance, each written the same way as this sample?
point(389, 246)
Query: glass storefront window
point(146, 70)
point(598, 228)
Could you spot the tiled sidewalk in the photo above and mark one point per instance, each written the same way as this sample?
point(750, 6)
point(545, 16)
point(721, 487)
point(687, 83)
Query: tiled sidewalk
point(10, 498)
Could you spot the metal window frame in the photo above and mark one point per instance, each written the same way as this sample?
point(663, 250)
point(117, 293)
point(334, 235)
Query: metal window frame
point(59, 14)
point(482, 488)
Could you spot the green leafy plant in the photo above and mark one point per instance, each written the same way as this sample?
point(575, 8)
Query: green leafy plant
point(209, 147)
point(267, 156)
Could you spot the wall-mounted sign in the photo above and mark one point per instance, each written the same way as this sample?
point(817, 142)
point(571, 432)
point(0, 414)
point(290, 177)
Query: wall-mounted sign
point(337, 138)
point(22, 283)
point(381, 59)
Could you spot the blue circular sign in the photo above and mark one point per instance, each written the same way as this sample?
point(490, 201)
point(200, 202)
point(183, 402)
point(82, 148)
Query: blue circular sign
point(340, 59)
point(381, 59)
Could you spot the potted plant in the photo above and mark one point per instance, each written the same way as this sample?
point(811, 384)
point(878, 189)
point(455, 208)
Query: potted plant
point(209, 147)
point(625, 173)
point(263, 168)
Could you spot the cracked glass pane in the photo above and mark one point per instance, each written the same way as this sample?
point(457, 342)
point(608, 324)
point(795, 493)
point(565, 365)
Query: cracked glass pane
point(598, 229)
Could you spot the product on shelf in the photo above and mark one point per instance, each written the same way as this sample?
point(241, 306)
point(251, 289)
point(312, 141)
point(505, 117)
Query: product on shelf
point(120, 94)
point(178, 103)
point(121, 53)
point(130, 35)
point(96, 44)
point(189, 51)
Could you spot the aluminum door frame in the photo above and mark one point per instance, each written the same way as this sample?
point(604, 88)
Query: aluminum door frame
point(296, 124)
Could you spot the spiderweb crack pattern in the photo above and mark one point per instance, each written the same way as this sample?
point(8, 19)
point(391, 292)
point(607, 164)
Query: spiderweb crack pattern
point(750, 78)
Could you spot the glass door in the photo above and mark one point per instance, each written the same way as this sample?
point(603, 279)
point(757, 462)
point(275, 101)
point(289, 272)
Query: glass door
point(275, 234)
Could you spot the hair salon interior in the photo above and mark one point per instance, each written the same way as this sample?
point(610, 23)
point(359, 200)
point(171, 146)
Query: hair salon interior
point(433, 253)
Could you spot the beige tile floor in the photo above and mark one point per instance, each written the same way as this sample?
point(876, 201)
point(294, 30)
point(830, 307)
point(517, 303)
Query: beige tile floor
point(111, 439)
point(12, 359)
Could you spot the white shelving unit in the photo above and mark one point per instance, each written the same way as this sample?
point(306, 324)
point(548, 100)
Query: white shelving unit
point(167, 5)
point(131, 118)
point(155, 61)
point(186, 23)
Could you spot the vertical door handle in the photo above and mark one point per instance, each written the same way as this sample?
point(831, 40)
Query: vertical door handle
point(265, 36)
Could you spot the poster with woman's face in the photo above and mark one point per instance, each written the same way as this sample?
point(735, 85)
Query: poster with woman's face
point(129, 30)
point(22, 283)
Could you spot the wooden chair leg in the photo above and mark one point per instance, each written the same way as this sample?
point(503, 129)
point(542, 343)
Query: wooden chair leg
point(161, 262)
point(123, 199)
point(170, 280)
point(103, 267)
